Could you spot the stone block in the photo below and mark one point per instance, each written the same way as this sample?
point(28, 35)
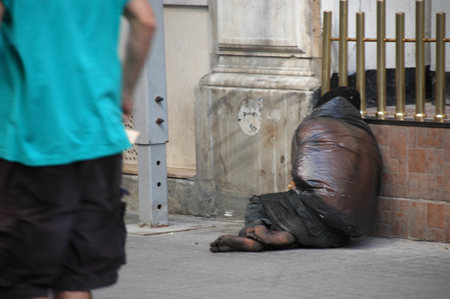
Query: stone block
point(403, 173)
point(434, 160)
point(447, 145)
point(412, 137)
point(417, 160)
point(435, 234)
point(417, 217)
point(422, 186)
point(435, 215)
point(389, 184)
point(447, 229)
point(399, 224)
point(398, 142)
point(446, 167)
point(430, 137)
point(393, 165)
point(381, 134)
point(446, 210)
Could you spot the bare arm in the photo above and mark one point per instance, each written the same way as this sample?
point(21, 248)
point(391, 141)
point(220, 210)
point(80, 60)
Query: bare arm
point(142, 27)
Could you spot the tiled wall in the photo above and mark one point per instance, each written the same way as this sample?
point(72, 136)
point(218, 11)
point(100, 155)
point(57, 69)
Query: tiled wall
point(413, 219)
point(415, 195)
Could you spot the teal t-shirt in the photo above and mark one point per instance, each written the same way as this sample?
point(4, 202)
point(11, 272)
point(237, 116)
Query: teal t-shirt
point(60, 81)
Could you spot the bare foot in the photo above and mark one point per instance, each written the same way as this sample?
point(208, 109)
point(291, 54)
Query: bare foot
point(272, 239)
point(233, 243)
point(72, 295)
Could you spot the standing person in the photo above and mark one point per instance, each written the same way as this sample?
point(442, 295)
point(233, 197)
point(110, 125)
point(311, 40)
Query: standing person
point(63, 94)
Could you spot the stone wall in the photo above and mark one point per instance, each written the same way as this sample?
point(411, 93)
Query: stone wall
point(415, 197)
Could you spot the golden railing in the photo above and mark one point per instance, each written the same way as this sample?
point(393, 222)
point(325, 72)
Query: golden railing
point(381, 41)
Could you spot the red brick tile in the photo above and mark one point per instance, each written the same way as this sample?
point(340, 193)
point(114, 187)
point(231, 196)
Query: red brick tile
point(447, 229)
point(403, 172)
point(434, 160)
point(382, 229)
point(417, 160)
point(447, 145)
point(443, 196)
point(381, 134)
point(435, 234)
point(422, 186)
point(393, 165)
point(435, 215)
point(443, 188)
point(430, 138)
point(446, 210)
point(383, 217)
point(384, 152)
point(417, 214)
point(402, 191)
point(446, 168)
point(389, 184)
point(412, 136)
point(399, 224)
point(384, 203)
point(398, 142)
point(403, 205)
point(393, 204)
point(443, 183)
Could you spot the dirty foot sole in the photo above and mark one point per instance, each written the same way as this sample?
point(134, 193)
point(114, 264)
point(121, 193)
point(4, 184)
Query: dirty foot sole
point(273, 239)
point(233, 243)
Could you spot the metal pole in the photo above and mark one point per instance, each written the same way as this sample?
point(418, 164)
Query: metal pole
point(400, 66)
point(326, 51)
point(381, 59)
point(150, 116)
point(440, 67)
point(343, 52)
point(420, 61)
point(360, 61)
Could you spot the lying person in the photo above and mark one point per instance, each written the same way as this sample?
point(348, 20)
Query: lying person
point(336, 175)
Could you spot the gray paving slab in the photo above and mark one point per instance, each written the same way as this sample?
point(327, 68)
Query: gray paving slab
point(178, 264)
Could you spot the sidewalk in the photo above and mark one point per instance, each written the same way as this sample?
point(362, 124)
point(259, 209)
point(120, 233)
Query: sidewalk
point(176, 263)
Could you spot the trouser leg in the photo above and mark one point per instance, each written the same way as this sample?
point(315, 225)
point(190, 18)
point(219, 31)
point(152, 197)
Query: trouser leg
point(35, 224)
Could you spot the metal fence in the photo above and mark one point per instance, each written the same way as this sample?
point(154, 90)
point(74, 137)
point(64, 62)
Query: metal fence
point(381, 41)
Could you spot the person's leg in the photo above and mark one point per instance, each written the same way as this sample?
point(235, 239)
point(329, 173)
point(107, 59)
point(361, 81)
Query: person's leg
point(97, 243)
point(270, 238)
point(234, 243)
point(255, 210)
point(257, 234)
point(254, 236)
point(36, 217)
point(72, 295)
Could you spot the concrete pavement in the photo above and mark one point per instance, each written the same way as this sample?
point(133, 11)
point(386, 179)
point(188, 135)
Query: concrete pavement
point(176, 263)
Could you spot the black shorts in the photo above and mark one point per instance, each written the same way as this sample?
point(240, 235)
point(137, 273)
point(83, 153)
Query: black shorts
point(61, 227)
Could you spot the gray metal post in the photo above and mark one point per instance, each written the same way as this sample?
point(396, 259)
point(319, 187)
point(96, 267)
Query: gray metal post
point(150, 118)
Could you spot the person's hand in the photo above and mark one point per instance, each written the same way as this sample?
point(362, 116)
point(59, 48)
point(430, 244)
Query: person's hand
point(127, 106)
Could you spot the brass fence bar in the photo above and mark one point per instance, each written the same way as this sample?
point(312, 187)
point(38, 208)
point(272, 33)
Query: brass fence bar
point(400, 65)
point(440, 67)
point(360, 60)
point(420, 61)
point(381, 59)
point(343, 31)
point(326, 51)
point(381, 40)
point(406, 40)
